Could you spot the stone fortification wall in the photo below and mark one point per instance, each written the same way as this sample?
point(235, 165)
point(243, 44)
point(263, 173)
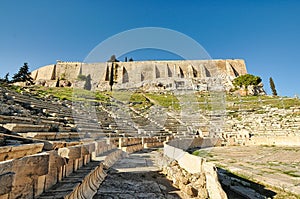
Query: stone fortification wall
point(44, 73)
point(140, 71)
point(67, 70)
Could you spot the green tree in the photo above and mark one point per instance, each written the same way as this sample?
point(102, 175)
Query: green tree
point(246, 80)
point(5, 79)
point(88, 83)
point(272, 85)
point(23, 75)
point(113, 59)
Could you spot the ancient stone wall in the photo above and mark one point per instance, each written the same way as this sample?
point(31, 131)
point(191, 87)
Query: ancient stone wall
point(192, 174)
point(141, 71)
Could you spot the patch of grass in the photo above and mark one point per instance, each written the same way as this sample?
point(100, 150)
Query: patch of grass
point(202, 153)
point(166, 100)
point(71, 94)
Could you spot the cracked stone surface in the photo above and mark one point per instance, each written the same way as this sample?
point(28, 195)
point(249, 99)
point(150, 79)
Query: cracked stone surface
point(137, 177)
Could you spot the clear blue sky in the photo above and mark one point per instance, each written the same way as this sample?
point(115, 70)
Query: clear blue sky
point(264, 33)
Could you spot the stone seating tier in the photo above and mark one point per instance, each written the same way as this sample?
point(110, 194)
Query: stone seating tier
point(13, 152)
point(37, 103)
point(53, 135)
point(22, 128)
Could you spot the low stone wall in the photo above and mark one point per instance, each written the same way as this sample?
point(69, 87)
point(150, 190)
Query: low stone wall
point(274, 140)
point(130, 145)
point(197, 142)
point(152, 142)
point(192, 174)
point(132, 148)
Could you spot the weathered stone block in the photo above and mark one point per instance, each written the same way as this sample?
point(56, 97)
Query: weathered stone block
point(191, 191)
point(6, 182)
point(32, 165)
point(13, 152)
point(72, 152)
point(6, 166)
point(40, 185)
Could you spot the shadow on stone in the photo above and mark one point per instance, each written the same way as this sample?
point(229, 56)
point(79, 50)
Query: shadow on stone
point(237, 187)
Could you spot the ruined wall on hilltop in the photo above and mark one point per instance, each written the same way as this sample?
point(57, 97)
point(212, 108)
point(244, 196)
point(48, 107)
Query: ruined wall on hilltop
point(140, 71)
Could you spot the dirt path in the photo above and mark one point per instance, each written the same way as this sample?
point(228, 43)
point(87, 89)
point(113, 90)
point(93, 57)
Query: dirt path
point(137, 177)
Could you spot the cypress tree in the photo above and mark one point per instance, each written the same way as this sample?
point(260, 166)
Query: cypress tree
point(88, 83)
point(6, 80)
point(111, 79)
point(57, 83)
point(272, 85)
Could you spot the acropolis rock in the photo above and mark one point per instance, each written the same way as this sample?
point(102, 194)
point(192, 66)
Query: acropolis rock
point(167, 74)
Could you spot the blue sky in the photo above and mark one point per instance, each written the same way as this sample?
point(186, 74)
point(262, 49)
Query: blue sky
point(264, 33)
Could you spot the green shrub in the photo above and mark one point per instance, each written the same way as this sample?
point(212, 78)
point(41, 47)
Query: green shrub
point(246, 80)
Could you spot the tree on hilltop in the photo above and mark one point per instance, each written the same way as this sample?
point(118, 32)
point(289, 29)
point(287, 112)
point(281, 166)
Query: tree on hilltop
point(272, 85)
point(113, 59)
point(23, 75)
point(5, 79)
point(111, 77)
point(246, 80)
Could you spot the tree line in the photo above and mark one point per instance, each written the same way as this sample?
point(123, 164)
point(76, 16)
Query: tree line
point(23, 75)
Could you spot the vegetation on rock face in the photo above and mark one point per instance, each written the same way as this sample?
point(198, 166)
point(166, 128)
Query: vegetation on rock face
point(272, 85)
point(246, 80)
point(23, 75)
point(81, 77)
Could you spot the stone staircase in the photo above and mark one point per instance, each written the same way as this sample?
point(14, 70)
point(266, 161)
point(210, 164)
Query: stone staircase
point(47, 147)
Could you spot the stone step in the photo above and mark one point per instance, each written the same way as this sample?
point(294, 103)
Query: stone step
point(52, 135)
point(86, 180)
point(73, 181)
point(22, 128)
point(26, 120)
point(13, 152)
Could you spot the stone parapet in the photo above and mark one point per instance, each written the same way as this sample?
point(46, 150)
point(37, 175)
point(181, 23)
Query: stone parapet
point(192, 174)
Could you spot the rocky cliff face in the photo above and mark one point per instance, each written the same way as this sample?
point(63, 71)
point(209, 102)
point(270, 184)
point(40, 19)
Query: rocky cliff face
point(196, 74)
